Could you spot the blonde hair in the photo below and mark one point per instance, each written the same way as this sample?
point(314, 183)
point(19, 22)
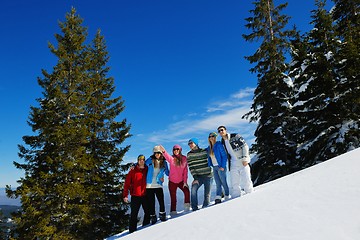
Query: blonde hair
point(211, 145)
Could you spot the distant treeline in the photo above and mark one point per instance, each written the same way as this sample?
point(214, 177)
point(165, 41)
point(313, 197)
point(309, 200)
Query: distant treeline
point(4, 200)
point(8, 209)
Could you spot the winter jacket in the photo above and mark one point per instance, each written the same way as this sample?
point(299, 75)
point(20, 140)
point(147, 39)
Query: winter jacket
point(164, 170)
point(198, 163)
point(220, 155)
point(177, 173)
point(135, 182)
point(238, 147)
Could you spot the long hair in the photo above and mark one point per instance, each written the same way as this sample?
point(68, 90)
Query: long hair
point(211, 145)
point(178, 159)
point(161, 161)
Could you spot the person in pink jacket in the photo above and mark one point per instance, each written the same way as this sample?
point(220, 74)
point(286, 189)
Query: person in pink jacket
point(178, 177)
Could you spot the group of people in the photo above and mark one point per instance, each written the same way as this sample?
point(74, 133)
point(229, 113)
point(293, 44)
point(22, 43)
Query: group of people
point(145, 179)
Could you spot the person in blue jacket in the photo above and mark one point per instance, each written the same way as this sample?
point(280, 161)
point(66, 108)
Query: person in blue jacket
point(157, 168)
point(217, 159)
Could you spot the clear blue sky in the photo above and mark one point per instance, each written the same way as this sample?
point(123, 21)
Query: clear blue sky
point(179, 66)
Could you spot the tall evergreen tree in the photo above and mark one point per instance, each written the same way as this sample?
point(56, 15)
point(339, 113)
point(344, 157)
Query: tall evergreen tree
point(299, 52)
point(346, 16)
point(271, 106)
point(73, 162)
point(315, 79)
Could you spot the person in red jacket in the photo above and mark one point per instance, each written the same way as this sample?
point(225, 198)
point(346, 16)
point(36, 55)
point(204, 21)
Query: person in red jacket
point(135, 182)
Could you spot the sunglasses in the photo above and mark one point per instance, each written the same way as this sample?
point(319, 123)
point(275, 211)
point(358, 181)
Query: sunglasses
point(176, 149)
point(157, 153)
point(190, 143)
point(141, 159)
point(212, 136)
point(221, 130)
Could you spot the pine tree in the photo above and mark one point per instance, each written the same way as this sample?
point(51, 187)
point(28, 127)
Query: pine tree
point(73, 170)
point(271, 106)
point(347, 24)
point(315, 79)
point(299, 51)
point(100, 119)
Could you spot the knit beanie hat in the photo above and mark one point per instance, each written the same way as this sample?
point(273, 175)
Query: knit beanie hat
point(213, 134)
point(141, 156)
point(157, 149)
point(194, 140)
point(177, 146)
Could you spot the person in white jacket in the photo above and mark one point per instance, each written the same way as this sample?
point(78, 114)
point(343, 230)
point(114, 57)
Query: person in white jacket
point(238, 158)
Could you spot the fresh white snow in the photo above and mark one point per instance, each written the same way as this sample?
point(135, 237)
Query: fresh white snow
point(321, 202)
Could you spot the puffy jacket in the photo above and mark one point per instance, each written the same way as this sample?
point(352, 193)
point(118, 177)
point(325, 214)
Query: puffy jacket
point(177, 173)
point(238, 147)
point(135, 182)
point(220, 154)
point(164, 170)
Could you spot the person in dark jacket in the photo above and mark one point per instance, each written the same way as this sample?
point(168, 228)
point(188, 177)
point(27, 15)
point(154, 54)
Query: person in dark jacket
point(135, 182)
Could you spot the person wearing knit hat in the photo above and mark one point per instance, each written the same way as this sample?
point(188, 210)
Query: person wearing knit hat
point(154, 181)
point(156, 149)
point(201, 172)
point(217, 159)
point(135, 183)
point(194, 140)
point(178, 177)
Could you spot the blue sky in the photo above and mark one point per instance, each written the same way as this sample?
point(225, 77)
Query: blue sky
point(179, 66)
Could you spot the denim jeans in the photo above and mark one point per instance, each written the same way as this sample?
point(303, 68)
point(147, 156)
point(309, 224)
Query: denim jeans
point(202, 180)
point(220, 181)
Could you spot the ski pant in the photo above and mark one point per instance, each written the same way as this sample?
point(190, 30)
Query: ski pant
point(172, 189)
point(159, 193)
point(240, 177)
point(135, 204)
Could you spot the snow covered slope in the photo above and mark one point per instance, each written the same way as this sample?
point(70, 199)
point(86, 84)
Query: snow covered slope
point(321, 202)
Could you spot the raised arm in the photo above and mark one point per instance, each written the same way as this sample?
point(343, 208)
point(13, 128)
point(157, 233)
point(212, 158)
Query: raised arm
point(166, 155)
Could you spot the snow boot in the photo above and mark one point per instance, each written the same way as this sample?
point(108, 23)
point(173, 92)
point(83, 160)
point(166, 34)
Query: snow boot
point(153, 219)
point(217, 199)
point(162, 216)
point(186, 207)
